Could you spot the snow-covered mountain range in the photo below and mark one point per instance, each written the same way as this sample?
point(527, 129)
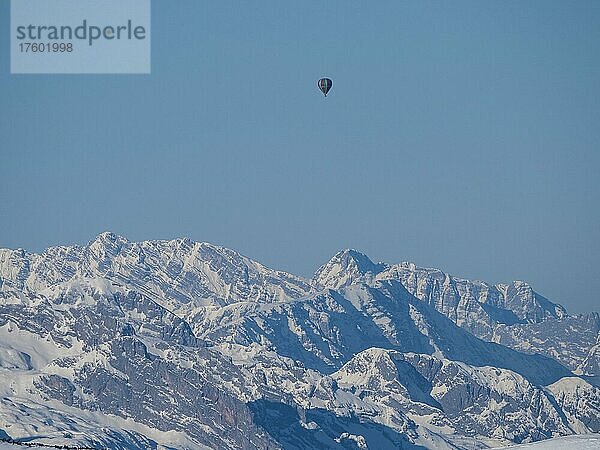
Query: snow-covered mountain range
point(185, 345)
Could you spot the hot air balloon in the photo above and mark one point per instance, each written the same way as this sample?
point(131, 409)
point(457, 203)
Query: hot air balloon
point(324, 85)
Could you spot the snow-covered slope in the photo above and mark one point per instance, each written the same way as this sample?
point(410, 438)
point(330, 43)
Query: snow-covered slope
point(9, 446)
point(180, 344)
point(580, 401)
point(186, 276)
point(512, 314)
point(580, 442)
point(591, 364)
point(455, 397)
point(95, 347)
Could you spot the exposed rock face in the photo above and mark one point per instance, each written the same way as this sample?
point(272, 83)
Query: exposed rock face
point(470, 303)
point(484, 401)
point(104, 333)
point(510, 314)
point(591, 364)
point(345, 268)
point(185, 275)
point(189, 345)
point(580, 402)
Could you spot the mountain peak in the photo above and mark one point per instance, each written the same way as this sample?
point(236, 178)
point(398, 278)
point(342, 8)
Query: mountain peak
point(346, 267)
point(108, 237)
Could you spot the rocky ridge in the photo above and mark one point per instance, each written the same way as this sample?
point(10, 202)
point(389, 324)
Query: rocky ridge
point(189, 345)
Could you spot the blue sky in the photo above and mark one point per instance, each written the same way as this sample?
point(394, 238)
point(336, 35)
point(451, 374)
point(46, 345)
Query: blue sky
point(458, 135)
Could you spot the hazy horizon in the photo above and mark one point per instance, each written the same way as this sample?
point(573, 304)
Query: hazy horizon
point(459, 136)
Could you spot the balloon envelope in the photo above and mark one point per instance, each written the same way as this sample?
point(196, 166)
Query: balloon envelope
point(324, 85)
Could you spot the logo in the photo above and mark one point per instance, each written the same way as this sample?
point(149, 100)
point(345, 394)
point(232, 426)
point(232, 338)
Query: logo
point(80, 36)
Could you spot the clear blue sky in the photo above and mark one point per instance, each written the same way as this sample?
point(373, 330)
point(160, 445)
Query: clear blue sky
point(460, 135)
